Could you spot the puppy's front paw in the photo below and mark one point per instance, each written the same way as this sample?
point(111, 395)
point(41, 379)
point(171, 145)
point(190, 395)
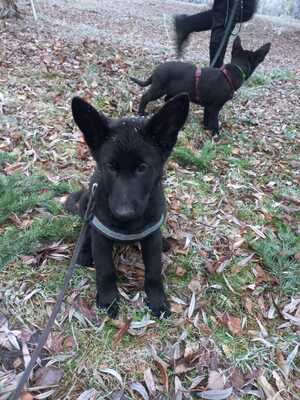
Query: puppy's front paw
point(108, 301)
point(157, 302)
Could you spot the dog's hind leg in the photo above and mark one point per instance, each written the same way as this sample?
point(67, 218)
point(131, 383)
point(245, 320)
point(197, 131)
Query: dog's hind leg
point(106, 278)
point(156, 298)
point(153, 93)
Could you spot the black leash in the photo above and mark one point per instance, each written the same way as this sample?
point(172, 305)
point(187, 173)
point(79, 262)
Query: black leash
point(226, 33)
point(87, 217)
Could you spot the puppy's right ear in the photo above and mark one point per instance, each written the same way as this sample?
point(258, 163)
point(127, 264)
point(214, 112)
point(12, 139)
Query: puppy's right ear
point(163, 127)
point(236, 47)
point(93, 124)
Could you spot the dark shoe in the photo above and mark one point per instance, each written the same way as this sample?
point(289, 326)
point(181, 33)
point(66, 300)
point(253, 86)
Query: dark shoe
point(180, 32)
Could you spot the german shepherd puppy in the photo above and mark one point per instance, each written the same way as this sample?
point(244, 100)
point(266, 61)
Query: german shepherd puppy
point(130, 154)
point(209, 87)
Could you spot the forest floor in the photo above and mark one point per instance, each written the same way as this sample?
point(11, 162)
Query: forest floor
point(233, 272)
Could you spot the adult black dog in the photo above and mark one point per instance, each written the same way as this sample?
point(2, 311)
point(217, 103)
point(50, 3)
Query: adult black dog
point(129, 200)
point(209, 87)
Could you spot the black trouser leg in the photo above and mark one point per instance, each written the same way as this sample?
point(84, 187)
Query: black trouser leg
point(198, 22)
point(221, 13)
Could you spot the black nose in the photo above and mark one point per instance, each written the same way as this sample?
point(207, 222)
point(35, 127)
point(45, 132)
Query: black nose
point(124, 213)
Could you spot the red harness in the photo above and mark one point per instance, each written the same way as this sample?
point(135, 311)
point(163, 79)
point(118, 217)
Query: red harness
point(197, 77)
point(228, 78)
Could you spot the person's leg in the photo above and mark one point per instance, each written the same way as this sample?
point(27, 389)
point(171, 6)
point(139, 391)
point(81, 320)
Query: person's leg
point(214, 19)
point(221, 13)
point(186, 24)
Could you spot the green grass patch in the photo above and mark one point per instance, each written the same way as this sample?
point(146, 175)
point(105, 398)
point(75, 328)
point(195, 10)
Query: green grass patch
point(188, 158)
point(36, 195)
point(278, 252)
point(19, 193)
point(6, 157)
point(258, 79)
point(15, 242)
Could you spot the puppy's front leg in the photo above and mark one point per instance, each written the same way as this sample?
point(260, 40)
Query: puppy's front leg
point(156, 298)
point(205, 117)
point(106, 279)
point(213, 120)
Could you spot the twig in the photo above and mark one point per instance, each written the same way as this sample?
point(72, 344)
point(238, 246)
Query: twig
point(33, 10)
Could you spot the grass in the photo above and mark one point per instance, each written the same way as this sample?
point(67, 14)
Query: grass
point(32, 201)
point(188, 158)
point(278, 253)
point(214, 193)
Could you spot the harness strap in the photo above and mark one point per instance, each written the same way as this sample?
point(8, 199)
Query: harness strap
point(228, 78)
point(197, 77)
point(124, 236)
point(241, 71)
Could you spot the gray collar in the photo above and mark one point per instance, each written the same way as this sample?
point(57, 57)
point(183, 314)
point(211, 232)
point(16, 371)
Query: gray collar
point(123, 236)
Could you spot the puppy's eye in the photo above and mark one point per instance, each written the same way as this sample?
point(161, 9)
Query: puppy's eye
point(142, 168)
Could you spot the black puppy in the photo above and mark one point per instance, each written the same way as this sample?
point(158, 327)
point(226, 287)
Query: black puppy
point(129, 200)
point(209, 87)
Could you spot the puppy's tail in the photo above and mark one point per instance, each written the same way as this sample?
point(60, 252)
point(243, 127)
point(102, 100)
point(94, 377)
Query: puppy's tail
point(142, 83)
point(72, 202)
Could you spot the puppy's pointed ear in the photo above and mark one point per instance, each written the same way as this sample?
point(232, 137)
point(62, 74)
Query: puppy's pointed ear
point(163, 127)
point(236, 46)
point(93, 124)
point(261, 53)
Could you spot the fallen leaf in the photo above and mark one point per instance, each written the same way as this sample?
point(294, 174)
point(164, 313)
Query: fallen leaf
point(279, 382)
point(149, 381)
point(232, 323)
point(268, 389)
point(195, 286)
point(215, 380)
point(237, 379)
point(117, 395)
point(180, 271)
point(138, 387)
point(162, 366)
point(114, 373)
point(178, 388)
point(89, 394)
point(192, 305)
point(248, 304)
point(215, 394)
point(121, 332)
point(288, 363)
point(26, 396)
point(48, 376)
point(261, 276)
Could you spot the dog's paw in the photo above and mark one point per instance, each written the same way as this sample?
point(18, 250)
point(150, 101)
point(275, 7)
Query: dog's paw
point(157, 302)
point(109, 303)
point(159, 309)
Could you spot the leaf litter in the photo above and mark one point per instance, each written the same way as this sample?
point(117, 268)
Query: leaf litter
point(215, 280)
